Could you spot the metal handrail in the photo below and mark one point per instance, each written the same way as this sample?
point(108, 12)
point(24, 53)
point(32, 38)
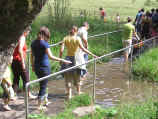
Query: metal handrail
point(98, 35)
point(91, 36)
point(56, 44)
point(89, 61)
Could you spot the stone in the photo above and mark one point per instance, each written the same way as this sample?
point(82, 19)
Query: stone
point(85, 110)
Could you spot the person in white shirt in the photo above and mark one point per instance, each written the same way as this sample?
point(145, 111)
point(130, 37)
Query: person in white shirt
point(83, 34)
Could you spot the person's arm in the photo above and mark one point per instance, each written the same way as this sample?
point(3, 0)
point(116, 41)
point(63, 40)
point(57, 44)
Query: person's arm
point(84, 39)
point(32, 61)
point(21, 45)
point(48, 51)
point(61, 49)
point(85, 50)
point(135, 34)
point(7, 76)
point(8, 82)
point(1, 80)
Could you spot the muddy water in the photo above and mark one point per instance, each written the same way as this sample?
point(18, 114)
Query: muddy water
point(113, 85)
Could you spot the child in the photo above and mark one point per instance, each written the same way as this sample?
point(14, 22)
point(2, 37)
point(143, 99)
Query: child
point(117, 18)
point(8, 92)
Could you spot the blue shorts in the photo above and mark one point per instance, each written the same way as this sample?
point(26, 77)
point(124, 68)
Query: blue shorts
point(86, 57)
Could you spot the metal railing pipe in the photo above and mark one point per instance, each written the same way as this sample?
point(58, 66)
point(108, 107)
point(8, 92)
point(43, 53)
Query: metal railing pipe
point(62, 71)
point(94, 81)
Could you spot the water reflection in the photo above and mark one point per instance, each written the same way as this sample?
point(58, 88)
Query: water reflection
point(113, 85)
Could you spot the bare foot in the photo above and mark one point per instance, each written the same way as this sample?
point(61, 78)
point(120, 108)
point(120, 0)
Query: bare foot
point(7, 108)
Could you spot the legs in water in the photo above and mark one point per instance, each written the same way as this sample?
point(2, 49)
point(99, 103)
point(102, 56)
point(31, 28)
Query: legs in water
point(68, 84)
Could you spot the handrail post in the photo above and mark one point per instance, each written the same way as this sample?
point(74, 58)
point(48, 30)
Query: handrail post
point(29, 64)
point(107, 42)
point(131, 62)
point(26, 101)
point(154, 42)
point(94, 81)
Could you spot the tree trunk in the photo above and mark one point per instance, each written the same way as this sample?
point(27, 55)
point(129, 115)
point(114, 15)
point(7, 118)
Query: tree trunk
point(15, 16)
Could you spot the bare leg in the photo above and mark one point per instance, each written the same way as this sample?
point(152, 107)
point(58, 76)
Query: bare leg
point(68, 85)
point(6, 104)
point(126, 57)
point(78, 89)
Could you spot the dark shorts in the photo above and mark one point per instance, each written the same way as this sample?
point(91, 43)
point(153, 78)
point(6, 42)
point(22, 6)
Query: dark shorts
point(81, 72)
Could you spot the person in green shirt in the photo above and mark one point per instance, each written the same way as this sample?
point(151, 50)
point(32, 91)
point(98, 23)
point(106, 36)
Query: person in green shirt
point(127, 34)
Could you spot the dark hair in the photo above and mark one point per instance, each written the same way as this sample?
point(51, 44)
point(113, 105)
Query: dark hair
point(147, 13)
point(129, 19)
point(27, 29)
point(72, 32)
point(44, 31)
point(157, 10)
point(153, 9)
point(100, 8)
point(142, 9)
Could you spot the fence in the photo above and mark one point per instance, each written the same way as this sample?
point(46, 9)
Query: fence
point(76, 12)
point(90, 61)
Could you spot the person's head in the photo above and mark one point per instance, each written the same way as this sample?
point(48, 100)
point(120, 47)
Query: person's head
point(44, 33)
point(75, 28)
point(72, 32)
point(147, 13)
point(142, 10)
point(27, 31)
point(129, 19)
point(100, 8)
point(157, 10)
point(86, 25)
point(153, 10)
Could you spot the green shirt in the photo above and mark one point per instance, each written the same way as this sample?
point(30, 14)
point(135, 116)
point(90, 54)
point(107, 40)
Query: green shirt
point(127, 33)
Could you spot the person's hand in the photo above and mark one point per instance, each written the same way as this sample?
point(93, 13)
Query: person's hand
point(66, 62)
point(9, 83)
point(33, 69)
point(95, 56)
point(23, 66)
point(0, 81)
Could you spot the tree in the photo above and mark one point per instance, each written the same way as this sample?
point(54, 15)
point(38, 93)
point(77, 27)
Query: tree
point(15, 16)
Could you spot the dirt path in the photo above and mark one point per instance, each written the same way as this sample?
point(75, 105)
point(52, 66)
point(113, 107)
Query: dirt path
point(18, 107)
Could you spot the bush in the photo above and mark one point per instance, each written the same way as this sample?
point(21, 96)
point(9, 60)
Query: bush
point(146, 66)
point(147, 3)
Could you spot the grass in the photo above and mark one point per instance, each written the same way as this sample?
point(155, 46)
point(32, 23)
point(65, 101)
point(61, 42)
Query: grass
point(124, 7)
point(145, 67)
point(112, 7)
point(143, 110)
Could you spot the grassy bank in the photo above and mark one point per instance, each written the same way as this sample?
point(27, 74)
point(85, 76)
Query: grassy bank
point(143, 110)
point(145, 67)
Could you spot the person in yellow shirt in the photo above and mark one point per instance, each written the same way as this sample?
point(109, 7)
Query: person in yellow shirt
point(8, 92)
point(72, 43)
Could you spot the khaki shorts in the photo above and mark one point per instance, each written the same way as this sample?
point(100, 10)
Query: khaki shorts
point(72, 79)
point(127, 43)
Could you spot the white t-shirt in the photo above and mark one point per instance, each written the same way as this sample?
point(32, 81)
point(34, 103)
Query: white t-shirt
point(82, 33)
